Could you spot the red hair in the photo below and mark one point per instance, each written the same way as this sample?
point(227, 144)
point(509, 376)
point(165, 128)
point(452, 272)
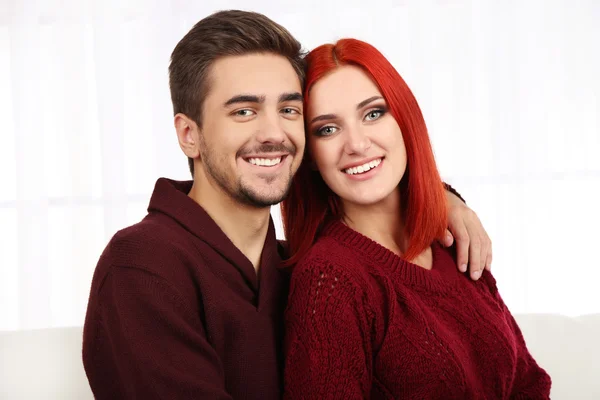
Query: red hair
point(310, 203)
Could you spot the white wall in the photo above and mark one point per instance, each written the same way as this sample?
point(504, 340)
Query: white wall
point(510, 91)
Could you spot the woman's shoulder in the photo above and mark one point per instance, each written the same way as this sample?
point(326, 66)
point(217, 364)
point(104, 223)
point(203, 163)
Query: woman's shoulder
point(328, 258)
point(330, 253)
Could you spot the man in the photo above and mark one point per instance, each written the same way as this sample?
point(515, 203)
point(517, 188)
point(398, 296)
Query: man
point(188, 302)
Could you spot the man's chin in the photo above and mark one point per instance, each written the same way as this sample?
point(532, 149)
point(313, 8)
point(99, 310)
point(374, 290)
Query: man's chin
point(263, 199)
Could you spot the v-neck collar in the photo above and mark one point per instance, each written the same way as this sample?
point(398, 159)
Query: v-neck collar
point(170, 197)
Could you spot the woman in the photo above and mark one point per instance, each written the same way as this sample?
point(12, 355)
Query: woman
point(377, 308)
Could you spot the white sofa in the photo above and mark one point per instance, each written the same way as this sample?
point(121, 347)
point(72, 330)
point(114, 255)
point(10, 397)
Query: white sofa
point(43, 364)
point(46, 364)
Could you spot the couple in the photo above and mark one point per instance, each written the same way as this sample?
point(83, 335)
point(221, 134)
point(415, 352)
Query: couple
point(189, 303)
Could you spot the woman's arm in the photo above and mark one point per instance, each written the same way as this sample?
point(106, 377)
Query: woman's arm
point(328, 346)
point(532, 381)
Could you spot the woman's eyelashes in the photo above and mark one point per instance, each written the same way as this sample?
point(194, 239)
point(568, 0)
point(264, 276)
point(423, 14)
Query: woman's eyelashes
point(326, 130)
point(375, 114)
point(372, 115)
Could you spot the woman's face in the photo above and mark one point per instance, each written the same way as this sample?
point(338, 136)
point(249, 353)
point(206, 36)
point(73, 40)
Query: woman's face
point(355, 142)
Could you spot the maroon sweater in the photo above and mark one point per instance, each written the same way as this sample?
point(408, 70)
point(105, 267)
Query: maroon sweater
point(176, 310)
point(363, 323)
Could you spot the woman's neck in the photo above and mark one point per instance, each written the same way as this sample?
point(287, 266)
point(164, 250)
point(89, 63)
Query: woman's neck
point(384, 223)
point(381, 222)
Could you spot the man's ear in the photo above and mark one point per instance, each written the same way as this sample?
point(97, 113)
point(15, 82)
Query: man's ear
point(188, 134)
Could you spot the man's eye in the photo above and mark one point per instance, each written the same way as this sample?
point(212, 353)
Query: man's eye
point(290, 111)
point(244, 113)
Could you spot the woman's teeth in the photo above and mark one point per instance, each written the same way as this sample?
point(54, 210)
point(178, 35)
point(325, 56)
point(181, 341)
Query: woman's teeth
point(363, 168)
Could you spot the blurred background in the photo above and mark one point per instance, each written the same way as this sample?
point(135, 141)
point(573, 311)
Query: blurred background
point(509, 89)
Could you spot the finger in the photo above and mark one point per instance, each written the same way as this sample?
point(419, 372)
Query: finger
point(488, 262)
point(448, 239)
point(486, 247)
point(483, 254)
point(462, 248)
point(475, 265)
point(488, 259)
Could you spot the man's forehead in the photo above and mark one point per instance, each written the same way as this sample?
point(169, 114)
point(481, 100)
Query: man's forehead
point(257, 74)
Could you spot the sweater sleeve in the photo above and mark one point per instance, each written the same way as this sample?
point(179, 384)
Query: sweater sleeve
point(453, 191)
point(531, 381)
point(161, 344)
point(327, 344)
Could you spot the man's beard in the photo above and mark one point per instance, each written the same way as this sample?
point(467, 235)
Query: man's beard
point(240, 191)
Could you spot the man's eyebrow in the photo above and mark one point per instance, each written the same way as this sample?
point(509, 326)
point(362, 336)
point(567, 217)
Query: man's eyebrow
point(294, 96)
point(367, 101)
point(324, 117)
point(245, 98)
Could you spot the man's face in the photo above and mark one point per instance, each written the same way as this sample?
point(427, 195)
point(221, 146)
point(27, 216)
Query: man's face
point(252, 134)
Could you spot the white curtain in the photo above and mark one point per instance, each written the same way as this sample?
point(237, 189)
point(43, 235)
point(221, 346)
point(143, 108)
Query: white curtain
point(510, 90)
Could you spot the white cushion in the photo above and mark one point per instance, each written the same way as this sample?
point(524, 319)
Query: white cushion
point(43, 364)
point(568, 349)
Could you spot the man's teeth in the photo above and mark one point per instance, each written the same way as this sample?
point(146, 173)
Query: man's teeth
point(363, 168)
point(266, 162)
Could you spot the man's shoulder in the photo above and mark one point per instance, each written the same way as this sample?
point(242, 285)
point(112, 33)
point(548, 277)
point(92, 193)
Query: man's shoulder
point(155, 246)
point(150, 239)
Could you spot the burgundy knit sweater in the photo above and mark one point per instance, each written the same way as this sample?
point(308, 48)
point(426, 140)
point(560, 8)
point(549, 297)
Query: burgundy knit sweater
point(363, 323)
point(176, 310)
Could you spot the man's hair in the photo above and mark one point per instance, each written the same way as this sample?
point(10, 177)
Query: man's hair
point(224, 33)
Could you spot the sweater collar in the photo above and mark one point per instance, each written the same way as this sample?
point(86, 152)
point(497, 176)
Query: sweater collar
point(442, 276)
point(171, 198)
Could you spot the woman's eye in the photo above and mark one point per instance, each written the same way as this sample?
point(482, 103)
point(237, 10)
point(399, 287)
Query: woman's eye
point(373, 115)
point(326, 131)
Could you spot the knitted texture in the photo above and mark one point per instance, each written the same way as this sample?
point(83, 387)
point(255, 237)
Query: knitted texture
point(453, 191)
point(363, 323)
point(176, 310)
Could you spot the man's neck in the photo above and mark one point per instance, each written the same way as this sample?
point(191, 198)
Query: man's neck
point(244, 225)
point(382, 222)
